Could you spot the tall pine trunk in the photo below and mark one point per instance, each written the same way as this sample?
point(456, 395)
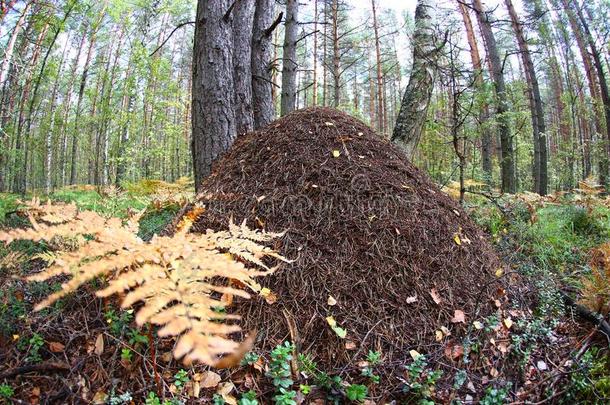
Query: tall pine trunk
point(289, 58)
point(540, 171)
point(507, 163)
point(262, 99)
point(213, 116)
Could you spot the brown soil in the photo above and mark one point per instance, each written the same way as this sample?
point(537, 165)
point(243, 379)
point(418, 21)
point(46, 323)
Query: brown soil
point(365, 227)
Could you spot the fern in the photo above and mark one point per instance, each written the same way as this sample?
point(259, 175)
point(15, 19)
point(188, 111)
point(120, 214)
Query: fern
point(595, 291)
point(176, 281)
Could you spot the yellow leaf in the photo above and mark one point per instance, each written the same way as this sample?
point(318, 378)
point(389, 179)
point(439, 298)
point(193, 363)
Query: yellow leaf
point(15, 337)
point(336, 153)
point(477, 325)
point(439, 335)
point(457, 240)
point(499, 272)
point(331, 321)
point(508, 323)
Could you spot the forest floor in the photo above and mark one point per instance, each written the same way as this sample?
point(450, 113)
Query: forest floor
point(87, 350)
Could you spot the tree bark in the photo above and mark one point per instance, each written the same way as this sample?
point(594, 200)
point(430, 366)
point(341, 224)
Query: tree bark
point(336, 56)
point(289, 59)
point(10, 46)
point(414, 107)
point(540, 171)
point(262, 98)
point(243, 20)
point(213, 116)
point(603, 86)
point(475, 56)
point(380, 98)
point(507, 164)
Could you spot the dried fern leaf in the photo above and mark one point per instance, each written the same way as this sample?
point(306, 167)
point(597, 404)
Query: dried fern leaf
point(174, 280)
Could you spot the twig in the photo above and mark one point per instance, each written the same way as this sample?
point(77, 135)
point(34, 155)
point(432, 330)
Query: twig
point(50, 366)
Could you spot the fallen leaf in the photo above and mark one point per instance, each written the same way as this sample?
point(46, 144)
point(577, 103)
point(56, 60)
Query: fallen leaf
point(458, 316)
point(349, 345)
point(270, 297)
point(437, 298)
point(99, 398)
point(439, 335)
point(329, 124)
point(336, 153)
point(499, 272)
point(331, 300)
point(457, 240)
point(56, 347)
point(261, 198)
point(478, 325)
point(454, 352)
point(503, 347)
point(493, 372)
point(99, 345)
point(541, 365)
point(411, 300)
point(446, 331)
point(209, 379)
point(414, 354)
point(338, 330)
point(508, 323)
point(224, 391)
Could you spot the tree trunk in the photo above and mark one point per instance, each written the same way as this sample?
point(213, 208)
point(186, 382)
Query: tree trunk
point(243, 19)
point(486, 144)
point(289, 58)
point(213, 116)
point(262, 98)
point(8, 51)
point(540, 171)
point(604, 91)
point(336, 56)
point(380, 98)
point(414, 107)
point(507, 165)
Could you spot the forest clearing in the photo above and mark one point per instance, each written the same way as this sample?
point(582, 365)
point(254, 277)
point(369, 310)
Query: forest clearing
point(304, 202)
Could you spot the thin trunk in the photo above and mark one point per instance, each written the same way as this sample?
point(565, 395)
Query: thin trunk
point(336, 56)
point(380, 98)
point(486, 144)
point(540, 172)
point(289, 58)
point(506, 143)
point(10, 47)
point(315, 54)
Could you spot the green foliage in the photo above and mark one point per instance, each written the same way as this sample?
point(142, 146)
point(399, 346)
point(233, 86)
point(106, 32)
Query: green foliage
point(373, 359)
point(421, 381)
point(126, 355)
point(250, 358)
point(218, 400)
point(6, 391)
point(285, 397)
point(155, 220)
point(118, 321)
point(495, 395)
point(590, 379)
point(248, 398)
point(356, 392)
point(36, 342)
point(279, 366)
point(181, 378)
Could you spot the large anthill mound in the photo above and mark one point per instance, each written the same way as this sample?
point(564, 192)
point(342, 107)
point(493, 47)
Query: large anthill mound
point(363, 226)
